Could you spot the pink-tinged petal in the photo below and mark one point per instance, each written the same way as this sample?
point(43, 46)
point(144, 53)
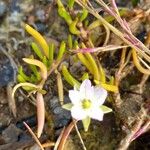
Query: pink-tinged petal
point(40, 113)
point(96, 114)
point(74, 96)
point(86, 90)
point(78, 113)
point(100, 95)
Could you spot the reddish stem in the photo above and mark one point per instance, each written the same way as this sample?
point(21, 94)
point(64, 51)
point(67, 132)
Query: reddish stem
point(66, 134)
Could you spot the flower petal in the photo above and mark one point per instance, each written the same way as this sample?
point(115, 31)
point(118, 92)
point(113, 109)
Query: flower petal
point(86, 90)
point(74, 96)
point(96, 113)
point(78, 113)
point(100, 95)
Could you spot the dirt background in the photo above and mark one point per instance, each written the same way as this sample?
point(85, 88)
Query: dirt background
point(15, 45)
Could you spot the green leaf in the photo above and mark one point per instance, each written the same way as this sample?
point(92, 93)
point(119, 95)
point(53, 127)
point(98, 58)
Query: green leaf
point(86, 122)
point(20, 79)
point(69, 78)
point(21, 72)
point(51, 53)
point(71, 3)
point(67, 106)
point(37, 50)
point(45, 61)
point(105, 109)
point(62, 49)
point(70, 41)
point(42, 91)
point(84, 15)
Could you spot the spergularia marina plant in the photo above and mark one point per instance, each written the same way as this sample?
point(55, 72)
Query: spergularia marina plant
point(87, 103)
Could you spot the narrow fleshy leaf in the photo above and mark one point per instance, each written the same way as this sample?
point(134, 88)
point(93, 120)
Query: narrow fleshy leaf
point(105, 109)
point(84, 15)
point(102, 74)
point(61, 50)
point(70, 43)
point(71, 3)
point(20, 79)
point(138, 65)
point(109, 87)
point(51, 53)
point(67, 106)
point(39, 64)
point(21, 72)
point(86, 122)
point(37, 50)
point(72, 27)
point(26, 84)
point(85, 62)
point(69, 78)
point(39, 38)
point(35, 71)
point(63, 13)
point(93, 65)
point(40, 113)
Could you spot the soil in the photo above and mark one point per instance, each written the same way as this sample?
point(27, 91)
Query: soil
point(15, 45)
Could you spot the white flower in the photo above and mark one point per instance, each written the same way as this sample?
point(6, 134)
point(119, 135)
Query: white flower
point(87, 102)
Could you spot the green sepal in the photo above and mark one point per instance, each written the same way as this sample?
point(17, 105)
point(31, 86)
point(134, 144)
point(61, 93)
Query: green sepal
point(67, 106)
point(85, 76)
point(105, 109)
point(86, 122)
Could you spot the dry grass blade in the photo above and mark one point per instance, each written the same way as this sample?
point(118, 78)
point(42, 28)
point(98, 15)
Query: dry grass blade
point(99, 49)
point(34, 136)
point(59, 139)
point(11, 100)
point(79, 135)
point(139, 47)
point(60, 88)
point(65, 135)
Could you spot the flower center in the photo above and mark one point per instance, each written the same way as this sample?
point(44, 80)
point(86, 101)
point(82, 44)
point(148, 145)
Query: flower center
point(86, 104)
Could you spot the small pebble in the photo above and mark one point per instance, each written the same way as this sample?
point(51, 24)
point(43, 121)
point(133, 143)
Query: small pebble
point(40, 14)
point(11, 133)
point(40, 27)
point(6, 74)
point(62, 116)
